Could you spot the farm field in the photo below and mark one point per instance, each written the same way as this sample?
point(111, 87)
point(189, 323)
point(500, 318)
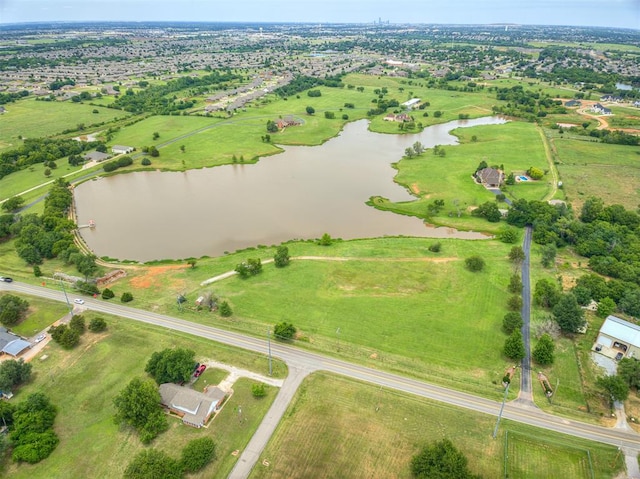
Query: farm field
point(82, 383)
point(374, 432)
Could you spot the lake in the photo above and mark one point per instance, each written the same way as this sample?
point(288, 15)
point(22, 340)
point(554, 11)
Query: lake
point(302, 193)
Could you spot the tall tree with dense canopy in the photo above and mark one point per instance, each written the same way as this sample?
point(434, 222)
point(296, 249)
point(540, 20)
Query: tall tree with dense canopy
point(568, 313)
point(12, 309)
point(197, 454)
point(281, 258)
point(441, 460)
point(615, 388)
point(514, 346)
point(171, 365)
point(138, 406)
point(543, 352)
point(153, 464)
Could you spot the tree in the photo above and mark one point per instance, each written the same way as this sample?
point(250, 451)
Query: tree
point(225, 309)
point(549, 252)
point(37, 272)
point(511, 322)
point(409, 153)
point(97, 325)
point(13, 373)
point(546, 293)
point(251, 267)
point(440, 460)
point(326, 240)
point(543, 352)
point(606, 306)
point(183, 148)
point(568, 313)
point(488, 210)
point(310, 110)
point(329, 115)
point(77, 323)
point(474, 263)
point(281, 258)
point(65, 336)
point(272, 127)
point(192, 262)
point(284, 331)
point(138, 406)
point(153, 464)
point(107, 293)
point(32, 435)
point(12, 309)
point(153, 151)
point(630, 302)
point(615, 387)
point(535, 173)
point(171, 365)
point(197, 454)
point(515, 284)
point(514, 303)
point(47, 172)
point(629, 371)
point(514, 346)
point(418, 148)
point(145, 162)
point(508, 235)
point(156, 135)
point(126, 297)
point(592, 209)
point(435, 247)
point(12, 204)
point(516, 255)
point(258, 390)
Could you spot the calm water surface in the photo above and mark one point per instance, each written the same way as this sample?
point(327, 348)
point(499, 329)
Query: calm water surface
point(303, 192)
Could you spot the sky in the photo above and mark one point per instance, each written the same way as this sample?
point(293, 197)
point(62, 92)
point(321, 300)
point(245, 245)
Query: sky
point(603, 13)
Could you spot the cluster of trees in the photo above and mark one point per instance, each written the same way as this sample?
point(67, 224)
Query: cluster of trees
point(11, 97)
point(564, 306)
point(157, 99)
point(41, 150)
point(12, 309)
point(251, 267)
point(171, 365)
point(512, 321)
point(612, 137)
point(68, 336)
point(30, 425)
point(301, 83)
point(414, 150)
point(121, 162)
point(526, 104)
point(13, 373)
point(196, 455)
point(441, 460)
point(284, 331)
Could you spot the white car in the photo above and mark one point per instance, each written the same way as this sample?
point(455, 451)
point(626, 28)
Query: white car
point(78, 301)
point(41, 337)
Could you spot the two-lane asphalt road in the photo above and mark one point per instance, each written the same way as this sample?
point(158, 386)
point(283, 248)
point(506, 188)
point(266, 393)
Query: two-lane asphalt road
point(302, 360)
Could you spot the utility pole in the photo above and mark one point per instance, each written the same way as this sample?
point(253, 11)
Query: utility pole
point(269, 345)
point(66, 297)
point(506, 391)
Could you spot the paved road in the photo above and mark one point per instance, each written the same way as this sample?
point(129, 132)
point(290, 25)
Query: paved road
point(301, 361)
point(526, 392)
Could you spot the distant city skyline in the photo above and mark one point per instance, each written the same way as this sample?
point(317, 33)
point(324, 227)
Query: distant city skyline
point(602, 13)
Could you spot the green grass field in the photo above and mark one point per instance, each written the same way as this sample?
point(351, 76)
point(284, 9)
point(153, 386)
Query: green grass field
point(595, 169)
point(527, 457)
point(34, 119)
point(340, 428)
point(40, 316)
point(82, 384)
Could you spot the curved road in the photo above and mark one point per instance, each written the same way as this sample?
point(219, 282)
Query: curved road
point(302, 362)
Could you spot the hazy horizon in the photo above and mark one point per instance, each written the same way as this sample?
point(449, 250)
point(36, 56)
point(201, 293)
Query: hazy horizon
point(611, 13)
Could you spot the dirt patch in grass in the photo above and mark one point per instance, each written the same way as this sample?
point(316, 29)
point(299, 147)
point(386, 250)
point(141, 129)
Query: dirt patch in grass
point(151, 276)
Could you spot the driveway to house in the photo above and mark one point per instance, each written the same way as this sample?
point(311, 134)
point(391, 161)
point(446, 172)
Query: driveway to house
point(526, 391)
point(302, 362)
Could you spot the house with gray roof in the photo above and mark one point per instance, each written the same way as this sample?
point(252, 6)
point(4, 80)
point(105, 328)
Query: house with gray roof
point(12, 344)
point(490, 177)
point(618, 339)
point(96, 156)
point(194, 407)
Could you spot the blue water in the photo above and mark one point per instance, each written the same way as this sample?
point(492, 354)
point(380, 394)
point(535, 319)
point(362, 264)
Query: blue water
point(523, 178)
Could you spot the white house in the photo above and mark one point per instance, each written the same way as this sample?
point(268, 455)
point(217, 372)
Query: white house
point(618, 339)
point(121, 150)
point(598, 108)
point(411, 103)
point(194, 407)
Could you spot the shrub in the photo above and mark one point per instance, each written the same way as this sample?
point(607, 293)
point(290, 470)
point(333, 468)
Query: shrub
point(511, 322)
point(474, 263)
point(258, 390)
point(107, 294)
point(284, 331)
point(145, 162)
point(97, 325)
point(514, 303)
point(126, 297)
point(435, 247)
point(225, 309)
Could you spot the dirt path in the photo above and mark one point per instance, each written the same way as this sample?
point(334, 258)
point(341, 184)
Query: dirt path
point(552, 166)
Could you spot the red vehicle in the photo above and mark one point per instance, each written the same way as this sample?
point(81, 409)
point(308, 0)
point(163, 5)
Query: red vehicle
point(200, 370)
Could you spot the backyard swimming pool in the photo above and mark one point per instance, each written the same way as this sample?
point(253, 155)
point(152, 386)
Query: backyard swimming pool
point(523, 178)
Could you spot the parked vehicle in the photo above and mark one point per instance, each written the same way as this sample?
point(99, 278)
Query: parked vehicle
point(6, 279)
point(200, 370)
point(78, 301)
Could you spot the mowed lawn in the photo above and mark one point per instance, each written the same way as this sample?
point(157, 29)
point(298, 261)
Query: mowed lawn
point(35, 119)
point(83, 382)
point(611, 172)
point(338, 428)
point(426, 316)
